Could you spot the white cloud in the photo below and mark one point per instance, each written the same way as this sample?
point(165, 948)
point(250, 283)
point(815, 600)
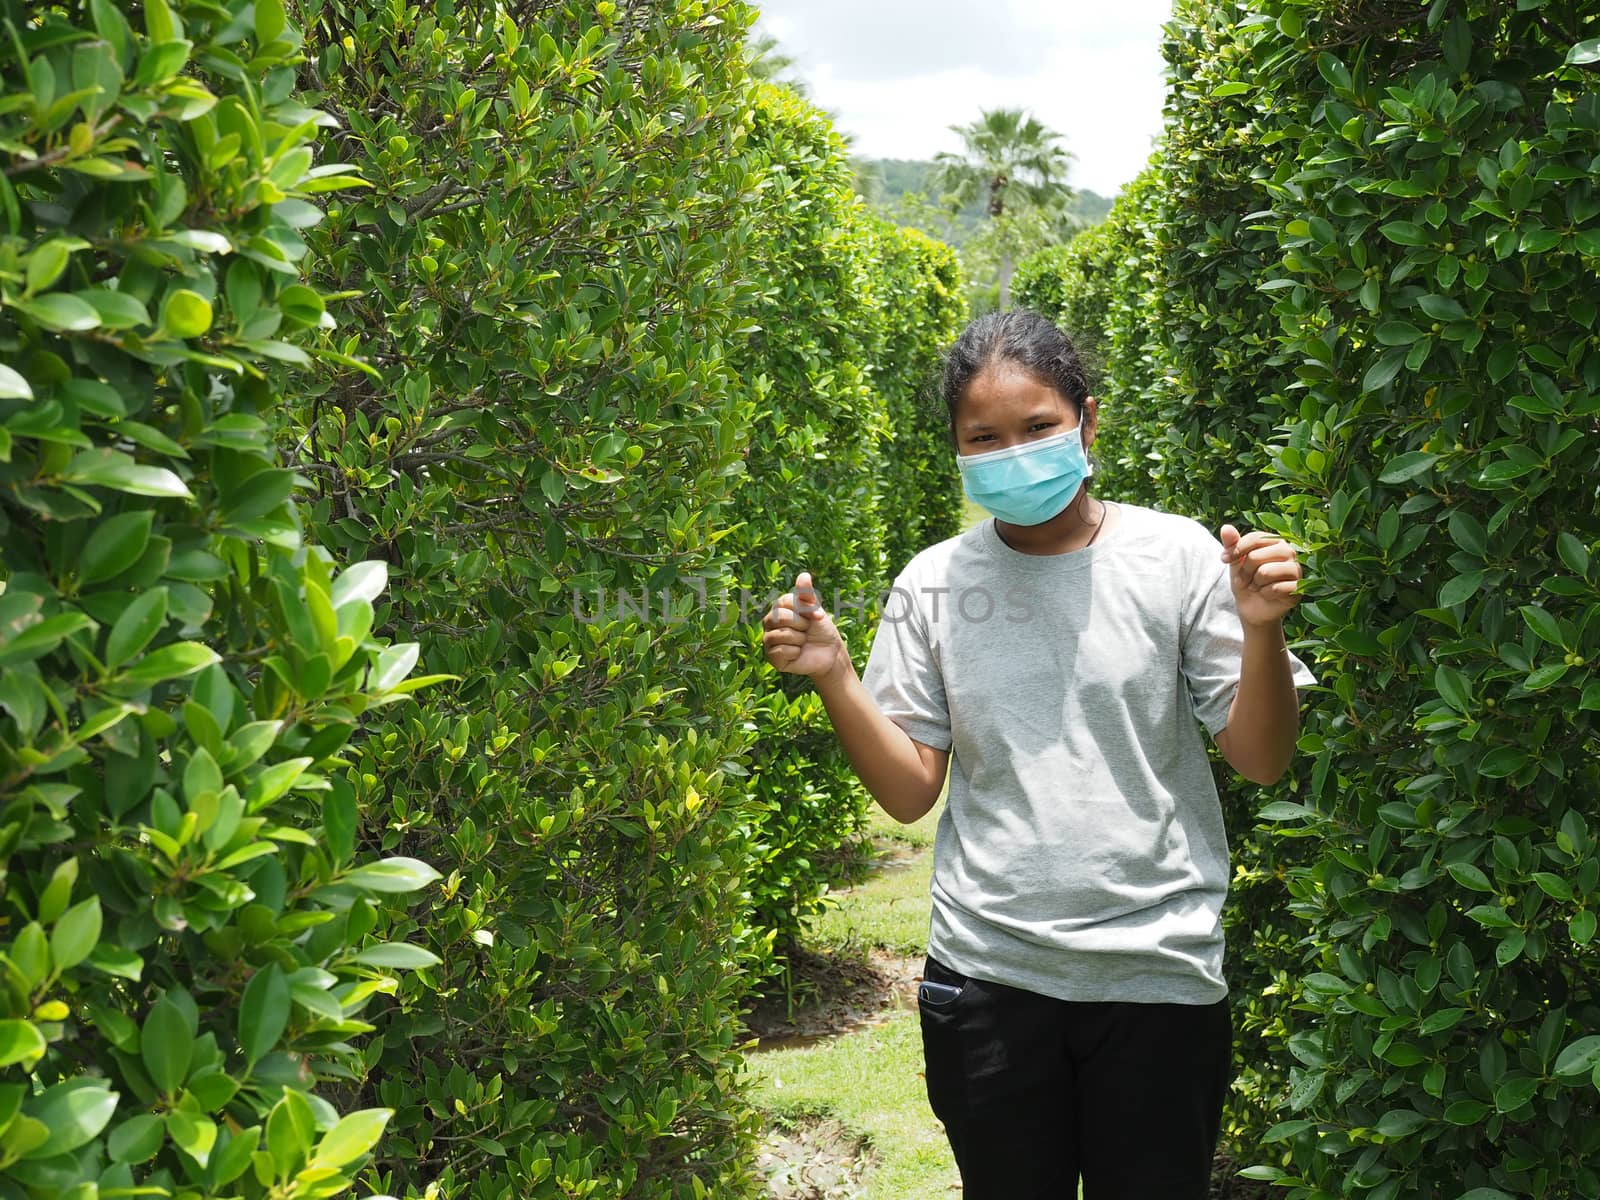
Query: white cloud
point(898, 74)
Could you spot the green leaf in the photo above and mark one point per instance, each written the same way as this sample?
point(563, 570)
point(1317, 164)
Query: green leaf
point(1467, 1112)
point(1552, 885)
point(75, 934)
point(115, 545)
point(117, 310)
point(392, 875)
point(1438, 1022)
point(258, 495)
point(46, 263)
point(360, 581)
point(301, 304)
point(1405, 233)
point(1491, 916)
point(1234, 88)
point(74, 1112)
point(1398, 333)
point(92, 395)
point(1579, 1058)
point(1573, 552)
point(61, 312)
point(1581, 928)
point(185, 314)
point(1442, 308)
point(398, 954)
point(119, 472)
point(1381, 372)
point(115, 960)
point(263, 1013)
point(234, 1158)
point(1284, 810)
point(195, 1135)
point(1304, 1090)
point(139, 622)
point(138, 1139)
point(165, 1045)
point(1468, 532)
point(20, 1042)
point(171, 662)
point(1542, 623)
point(351, 1138)
point(1398, 1122)
point(1460, 589)
point(270, 21)
point(1502, 761)
point(1407, 466)
point(274, 781)
point(37, 640)
point(13, 386)
point(394, 664)
point(1470, 876)
point(1334, 71)
point(1284, 1130)
point(1583, 53)
point(1454, 687)
point(1515, 1091)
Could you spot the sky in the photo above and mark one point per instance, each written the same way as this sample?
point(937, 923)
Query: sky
point(897, 73)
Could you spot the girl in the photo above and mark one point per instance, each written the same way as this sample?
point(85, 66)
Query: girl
point(1059, 660)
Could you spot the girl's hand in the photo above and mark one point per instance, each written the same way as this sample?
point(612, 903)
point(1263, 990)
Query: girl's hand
point(1264, 572)
point(800, 637)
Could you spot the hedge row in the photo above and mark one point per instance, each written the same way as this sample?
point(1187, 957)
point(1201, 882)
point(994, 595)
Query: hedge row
point(1371, 236)
point(188, 957)
point(578, 271)
point(627, 324)
point(842, 476)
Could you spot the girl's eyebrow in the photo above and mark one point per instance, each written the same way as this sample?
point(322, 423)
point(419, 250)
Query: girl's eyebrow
point(1042, 415)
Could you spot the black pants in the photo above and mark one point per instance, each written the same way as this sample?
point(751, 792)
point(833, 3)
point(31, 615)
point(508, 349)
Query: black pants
point(1034, 1092)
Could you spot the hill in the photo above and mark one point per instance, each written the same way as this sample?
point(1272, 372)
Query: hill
point(886, 183)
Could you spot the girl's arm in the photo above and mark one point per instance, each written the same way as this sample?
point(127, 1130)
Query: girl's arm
point(905, 776)
point(1264, 718)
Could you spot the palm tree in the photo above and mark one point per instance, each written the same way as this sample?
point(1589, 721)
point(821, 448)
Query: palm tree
point(1016, 160)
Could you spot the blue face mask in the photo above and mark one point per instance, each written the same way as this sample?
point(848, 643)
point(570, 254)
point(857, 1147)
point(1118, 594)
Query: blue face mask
point(1029, 483)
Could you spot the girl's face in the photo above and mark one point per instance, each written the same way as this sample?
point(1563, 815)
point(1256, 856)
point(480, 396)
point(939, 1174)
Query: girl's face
point(1007, 406)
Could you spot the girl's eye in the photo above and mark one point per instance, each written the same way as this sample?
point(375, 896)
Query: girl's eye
point(1041, 425)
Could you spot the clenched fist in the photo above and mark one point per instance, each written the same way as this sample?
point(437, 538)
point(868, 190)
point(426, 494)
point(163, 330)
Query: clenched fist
point(1264, 572)
point(799, 636)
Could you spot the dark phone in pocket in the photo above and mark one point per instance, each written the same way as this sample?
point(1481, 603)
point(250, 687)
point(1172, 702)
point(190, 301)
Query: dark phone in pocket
point(936, 994)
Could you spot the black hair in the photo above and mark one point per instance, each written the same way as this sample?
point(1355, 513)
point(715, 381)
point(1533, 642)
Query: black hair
point(1019, 338)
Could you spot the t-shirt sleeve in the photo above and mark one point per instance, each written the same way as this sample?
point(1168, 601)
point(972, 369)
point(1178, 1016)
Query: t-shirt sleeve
point(1213, 638)
point(902, 674)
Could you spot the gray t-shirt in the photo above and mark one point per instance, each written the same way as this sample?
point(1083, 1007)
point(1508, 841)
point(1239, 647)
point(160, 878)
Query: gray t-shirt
point(1081, 853)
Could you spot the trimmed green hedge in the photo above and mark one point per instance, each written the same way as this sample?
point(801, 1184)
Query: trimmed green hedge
point(546, 273)
point(1376, 238)
point(1099, 287)
point(919, 282)
point(619, 299)
point(187, 956)
point(843, 474)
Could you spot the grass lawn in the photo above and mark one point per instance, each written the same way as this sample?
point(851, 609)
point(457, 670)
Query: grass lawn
point(890, 909)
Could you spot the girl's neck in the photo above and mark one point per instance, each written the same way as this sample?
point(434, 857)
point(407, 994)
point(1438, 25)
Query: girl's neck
point(1073, 528)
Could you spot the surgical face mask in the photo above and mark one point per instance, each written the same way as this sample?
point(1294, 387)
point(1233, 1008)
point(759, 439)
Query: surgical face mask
point(1029, 483)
